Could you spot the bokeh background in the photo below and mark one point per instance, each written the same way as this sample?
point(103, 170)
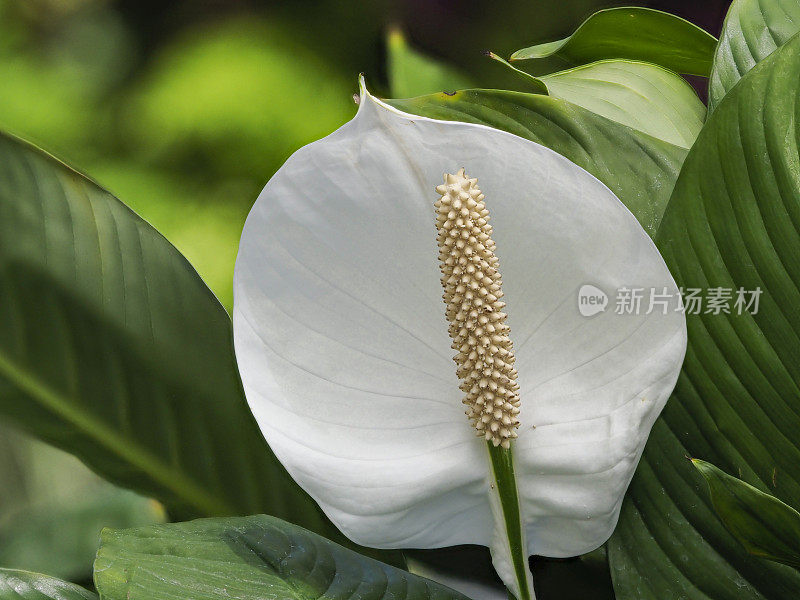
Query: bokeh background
point(184, 109)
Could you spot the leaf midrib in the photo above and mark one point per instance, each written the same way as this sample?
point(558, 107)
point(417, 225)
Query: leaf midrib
point(130, 451)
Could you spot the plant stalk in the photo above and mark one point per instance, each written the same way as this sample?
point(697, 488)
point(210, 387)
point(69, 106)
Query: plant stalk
point(502, 461)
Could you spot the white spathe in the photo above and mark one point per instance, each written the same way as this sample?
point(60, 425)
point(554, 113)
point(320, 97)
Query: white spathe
point(344, 352)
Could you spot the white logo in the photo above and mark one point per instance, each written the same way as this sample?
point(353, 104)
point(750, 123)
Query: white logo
point(591, 300)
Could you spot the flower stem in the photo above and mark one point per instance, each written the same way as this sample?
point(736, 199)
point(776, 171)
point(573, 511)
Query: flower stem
point(502, 461)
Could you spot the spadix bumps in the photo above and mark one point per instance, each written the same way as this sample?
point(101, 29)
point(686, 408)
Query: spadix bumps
point(344, 344)
point(472, 292)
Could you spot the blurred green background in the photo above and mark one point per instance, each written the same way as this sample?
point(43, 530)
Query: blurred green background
point(184, 110)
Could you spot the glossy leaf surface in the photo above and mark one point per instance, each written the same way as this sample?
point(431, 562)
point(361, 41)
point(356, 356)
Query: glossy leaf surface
point(640, 95)
point(24, 585)
point(113, 348)
point(753, 30)
point(248, 558)
point(634, 33)
point(767, 527)
point(732, 223)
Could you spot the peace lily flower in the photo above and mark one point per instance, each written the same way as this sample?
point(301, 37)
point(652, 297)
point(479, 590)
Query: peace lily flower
point(346, 347)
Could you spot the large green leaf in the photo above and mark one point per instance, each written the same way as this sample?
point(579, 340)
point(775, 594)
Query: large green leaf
point(112, 348)
point(24, 585)
point(639, 169)
point(246, 558)
point(763, 524)
point(640, 95)
point(635, 33)
point(411, 73)
point(753, 29)
point(732, 222)
point(61, 539)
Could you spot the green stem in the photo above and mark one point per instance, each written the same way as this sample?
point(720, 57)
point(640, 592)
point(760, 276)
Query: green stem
point(503, 469)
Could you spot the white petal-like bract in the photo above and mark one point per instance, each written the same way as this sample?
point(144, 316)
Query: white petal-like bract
point(344, 353)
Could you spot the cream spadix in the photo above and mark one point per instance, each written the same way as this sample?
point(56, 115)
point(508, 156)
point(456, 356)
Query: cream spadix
point(472, 291)
point(344, 346)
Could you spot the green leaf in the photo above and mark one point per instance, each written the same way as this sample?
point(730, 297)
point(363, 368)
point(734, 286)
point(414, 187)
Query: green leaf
point(61, 539)
point(23, 585)
point(411, 73)
point(639, 169)
point(252, 557)
point(732, 222)
point(634, 33)
point(763, 524)
point(753, 29)
point(112, 348)
point(640, 95)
